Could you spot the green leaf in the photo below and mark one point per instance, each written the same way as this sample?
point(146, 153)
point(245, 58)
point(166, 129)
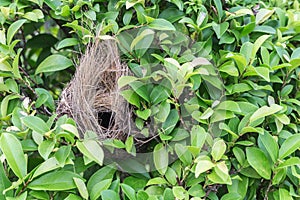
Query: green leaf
point(161, 25)
point(70, 128)
point(161, 158)
point(31, 16)
point(265, 111)
point(218, 4)
point(263, 15)
point(55, 181)
point(284, 194)
point(220, 29)
point(144, 114)
point(270, 145)
point(289, 162)
point(62, 154)
point(128, 191)
point(48, 165)
point(157, 181)
point(259, 162)
point(159, 94)
point(45, 148)
point(81, 187)
point(109, 195)
point(36, 124)
point(131, 97)
point(220, 174)
point(106, 172)
point(230, 106)
point(12, 150)
point(137, 42)
point(164, 111)
point(232, 196)
point(68, 42)
point(218, 150)
point(126, 80)
point(73, 197)
point(239, 186)
point(257, 44)
point(184, 155)
point(203, 165)
point(290, 145)
point(141, 89)
point(198, 136)
point(4, 181)
point(92, 150)
point(171, 121)
point(13, 28)
point(54, 63)
point(5, 103)
point(179, 192)
point(98, 188)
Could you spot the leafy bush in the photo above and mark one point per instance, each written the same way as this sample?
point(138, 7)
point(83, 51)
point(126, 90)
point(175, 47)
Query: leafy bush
point(214, 91)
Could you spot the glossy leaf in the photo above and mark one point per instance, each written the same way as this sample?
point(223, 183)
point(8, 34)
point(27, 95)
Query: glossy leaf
point(54, 63)
point(13, 152)
point(259, 162)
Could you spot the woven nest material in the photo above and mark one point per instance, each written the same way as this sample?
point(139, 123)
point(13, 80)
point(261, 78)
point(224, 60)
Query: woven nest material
point(92, 97)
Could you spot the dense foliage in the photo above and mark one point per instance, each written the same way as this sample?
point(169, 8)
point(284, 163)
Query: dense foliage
point(214, 89)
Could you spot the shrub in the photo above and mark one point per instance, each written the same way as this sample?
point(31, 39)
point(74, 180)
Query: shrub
point(214, 93)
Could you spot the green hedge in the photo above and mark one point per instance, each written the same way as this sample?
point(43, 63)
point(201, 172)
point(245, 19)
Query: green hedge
point(214, 89)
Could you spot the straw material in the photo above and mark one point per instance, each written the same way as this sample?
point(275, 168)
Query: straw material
point(92, 97)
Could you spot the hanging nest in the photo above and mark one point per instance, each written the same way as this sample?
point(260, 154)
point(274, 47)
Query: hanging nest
point(92, 97)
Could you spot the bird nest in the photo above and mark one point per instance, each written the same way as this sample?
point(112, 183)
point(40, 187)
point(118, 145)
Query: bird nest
point(92, 97)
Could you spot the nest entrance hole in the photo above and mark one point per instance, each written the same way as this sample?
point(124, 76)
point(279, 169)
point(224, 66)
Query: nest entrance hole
point(106, 119)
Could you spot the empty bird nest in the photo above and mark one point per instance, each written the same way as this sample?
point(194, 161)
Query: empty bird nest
point(92, 97)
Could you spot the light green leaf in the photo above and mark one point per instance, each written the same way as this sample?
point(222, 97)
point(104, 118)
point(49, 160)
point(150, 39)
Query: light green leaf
point(290, 145)
point(129, 191)
point(55, 181)
point(259, 162)
point(131, 97)
point(157, 181)
point(106, 172)
point(180, 193)
point(81, 187)
point(125, 80)
point(220, 29)
point(54, 63)
point(203, 166)
point(289, 162)
point(109, 195)
point(262, 15)
point(144, 114)
point(284, 194)
point(218, 149)
point(36, 124)
point(13, 152)
point(257, 44)
point(198, 136)
point(270, 145)
point(161, 158)
point(140, 37)
point(92, 150)
point(230, 106)
point(98, 188)
point(265, 111)
point(220, 174)
point(67, 43)
point(162, 25)
point(13, 28)
point(48, 165)
point(45, 148)
point(70, 128)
